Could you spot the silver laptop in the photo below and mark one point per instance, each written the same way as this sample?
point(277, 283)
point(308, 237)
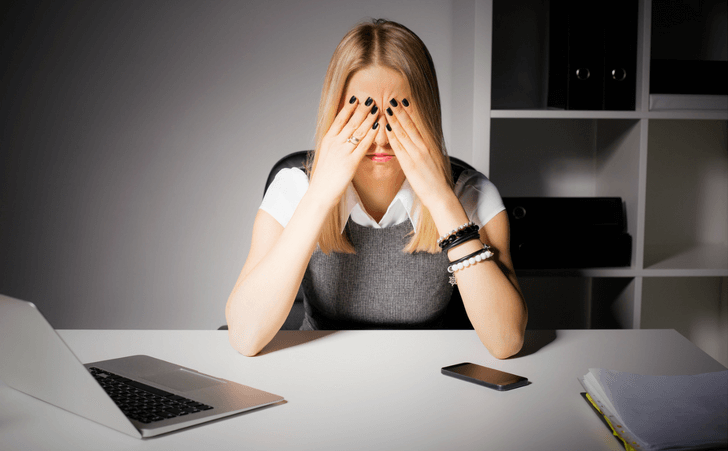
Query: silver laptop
point(139, 395)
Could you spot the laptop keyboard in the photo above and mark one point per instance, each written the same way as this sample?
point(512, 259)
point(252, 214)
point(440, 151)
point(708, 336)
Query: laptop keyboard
point(142, 402)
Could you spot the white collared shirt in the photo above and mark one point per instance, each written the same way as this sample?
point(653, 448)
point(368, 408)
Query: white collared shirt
point(478, 196)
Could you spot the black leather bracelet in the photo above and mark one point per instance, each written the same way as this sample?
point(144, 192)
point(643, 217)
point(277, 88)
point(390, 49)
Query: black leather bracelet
point(474, 235)
point(457, 233)
point(469, 256)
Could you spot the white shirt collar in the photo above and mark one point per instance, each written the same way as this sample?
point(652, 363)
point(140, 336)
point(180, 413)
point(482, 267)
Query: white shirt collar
point(398, 211)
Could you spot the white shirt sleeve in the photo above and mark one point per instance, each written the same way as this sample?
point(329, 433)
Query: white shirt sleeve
point(479, 197)
point(284, 193)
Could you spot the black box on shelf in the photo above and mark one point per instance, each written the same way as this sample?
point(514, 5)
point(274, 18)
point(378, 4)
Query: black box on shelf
point(568, 232)
point(688, 77)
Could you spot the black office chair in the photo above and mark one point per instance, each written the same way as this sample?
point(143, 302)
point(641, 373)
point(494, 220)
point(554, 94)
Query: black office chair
point(455, 318)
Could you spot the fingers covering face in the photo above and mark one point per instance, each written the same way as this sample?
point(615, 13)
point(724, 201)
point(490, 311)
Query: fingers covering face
point(342, 118)
point(356, 120)
point(401, 129)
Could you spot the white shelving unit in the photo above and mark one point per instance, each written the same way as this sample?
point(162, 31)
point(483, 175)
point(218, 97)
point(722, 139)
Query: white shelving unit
point(670, 168)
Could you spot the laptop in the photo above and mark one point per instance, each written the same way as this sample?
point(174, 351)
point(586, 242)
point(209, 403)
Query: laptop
point(138, 395)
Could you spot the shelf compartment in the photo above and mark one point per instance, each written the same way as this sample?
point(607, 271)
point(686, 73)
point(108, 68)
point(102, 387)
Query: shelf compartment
point(521, 53)
point(556, 302)
point(688, 47)
point(686, 216)
point(697, 307)
point(579, 302)
point(612, 303)
point(568, 158)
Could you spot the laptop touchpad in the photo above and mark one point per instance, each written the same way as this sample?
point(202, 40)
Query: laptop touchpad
point(183, 380)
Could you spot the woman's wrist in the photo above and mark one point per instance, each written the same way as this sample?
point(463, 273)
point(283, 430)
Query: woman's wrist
point(324, 197)
point(447, 212)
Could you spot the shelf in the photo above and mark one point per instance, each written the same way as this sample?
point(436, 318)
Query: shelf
point(669, 166)
point(689, 115)
point(707, 260)
point(698, 261)
point(565, 114)
point(580, 272)
point(577, 114)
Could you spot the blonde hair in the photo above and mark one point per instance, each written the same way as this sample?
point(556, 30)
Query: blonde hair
point(394, 46)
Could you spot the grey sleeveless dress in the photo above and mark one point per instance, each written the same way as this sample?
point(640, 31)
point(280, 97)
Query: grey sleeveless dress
point(378, 287)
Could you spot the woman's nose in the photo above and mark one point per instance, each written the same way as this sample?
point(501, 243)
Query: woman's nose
point(381, 139)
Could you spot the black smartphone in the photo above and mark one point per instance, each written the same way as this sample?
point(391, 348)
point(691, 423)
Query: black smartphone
point(491, 378)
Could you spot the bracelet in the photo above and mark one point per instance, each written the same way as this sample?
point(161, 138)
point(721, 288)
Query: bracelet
point(456, 233)
point(467, 261)
point(473, 235)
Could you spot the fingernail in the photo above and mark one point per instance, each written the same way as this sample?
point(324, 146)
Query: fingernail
point(369, 101)
point(376, 124)
point(405, 102)
point(389, 111)
point(393, 102)
point(353, 99)
point(374, 109)
point(389, 129)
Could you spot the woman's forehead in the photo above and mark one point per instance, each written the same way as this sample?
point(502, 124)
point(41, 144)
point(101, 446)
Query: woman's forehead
point(378, 80)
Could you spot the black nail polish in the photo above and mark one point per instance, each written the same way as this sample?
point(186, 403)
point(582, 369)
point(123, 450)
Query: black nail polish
point(389, 111)
point(393, 102)
point(405, 102)
point(374, 109)
point(353, 99)
point(376, 124)
point(369, 101)
point(389, 128)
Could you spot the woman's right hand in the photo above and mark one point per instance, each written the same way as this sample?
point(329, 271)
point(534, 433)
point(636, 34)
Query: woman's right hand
point(338, 158)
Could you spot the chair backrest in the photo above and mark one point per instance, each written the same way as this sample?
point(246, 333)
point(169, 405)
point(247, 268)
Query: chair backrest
point(455, 318)
point(298, 160)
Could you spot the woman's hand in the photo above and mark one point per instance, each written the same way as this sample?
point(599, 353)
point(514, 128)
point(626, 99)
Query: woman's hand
point(422, 172)
point(339, 156)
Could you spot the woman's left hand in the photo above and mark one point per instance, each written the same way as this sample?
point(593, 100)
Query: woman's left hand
point(421, 170)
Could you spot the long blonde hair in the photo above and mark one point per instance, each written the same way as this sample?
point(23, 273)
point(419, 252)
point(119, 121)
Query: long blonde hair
point(394, 46)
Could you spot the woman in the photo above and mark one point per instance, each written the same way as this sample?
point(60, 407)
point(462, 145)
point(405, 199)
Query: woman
point(360, 230)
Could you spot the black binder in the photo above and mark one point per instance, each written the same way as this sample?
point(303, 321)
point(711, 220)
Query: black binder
point(592, 55)
point(575, 59)
point(620, 55)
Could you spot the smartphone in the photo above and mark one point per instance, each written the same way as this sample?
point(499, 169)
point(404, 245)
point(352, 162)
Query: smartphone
point(491, 378)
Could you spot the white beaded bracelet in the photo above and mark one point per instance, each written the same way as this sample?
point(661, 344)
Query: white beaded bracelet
point(468, 261)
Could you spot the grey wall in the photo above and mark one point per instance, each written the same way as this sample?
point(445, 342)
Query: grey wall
point(137, 136)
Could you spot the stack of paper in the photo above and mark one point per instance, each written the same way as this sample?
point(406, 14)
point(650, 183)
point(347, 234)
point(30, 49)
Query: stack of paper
point(662, 412)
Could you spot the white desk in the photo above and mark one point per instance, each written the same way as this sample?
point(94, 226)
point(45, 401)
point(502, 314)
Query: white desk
point(370, 390)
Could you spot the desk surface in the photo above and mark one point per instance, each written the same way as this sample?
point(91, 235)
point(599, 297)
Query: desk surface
point(369, 390)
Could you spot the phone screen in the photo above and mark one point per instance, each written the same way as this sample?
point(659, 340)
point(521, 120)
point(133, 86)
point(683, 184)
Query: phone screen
point(489, 377)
